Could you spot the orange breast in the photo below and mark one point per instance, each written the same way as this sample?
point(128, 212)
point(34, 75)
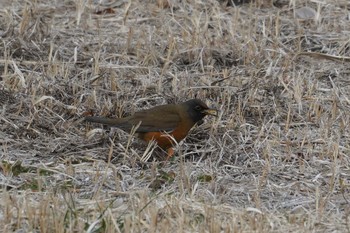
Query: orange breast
point(164, 140)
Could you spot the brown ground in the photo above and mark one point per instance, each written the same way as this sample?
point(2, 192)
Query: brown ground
point(275, 160)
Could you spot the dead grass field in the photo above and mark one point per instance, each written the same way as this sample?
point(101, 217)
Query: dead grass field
point(275, 160)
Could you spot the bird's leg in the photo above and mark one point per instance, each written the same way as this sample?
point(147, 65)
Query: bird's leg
point(170, 152)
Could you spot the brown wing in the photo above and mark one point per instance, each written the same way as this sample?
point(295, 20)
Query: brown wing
point(160, 118)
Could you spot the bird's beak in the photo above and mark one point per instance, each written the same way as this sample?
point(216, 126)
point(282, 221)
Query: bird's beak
point(212, 112)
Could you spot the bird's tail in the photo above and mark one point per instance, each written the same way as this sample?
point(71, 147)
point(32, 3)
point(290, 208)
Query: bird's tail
point(103, 120)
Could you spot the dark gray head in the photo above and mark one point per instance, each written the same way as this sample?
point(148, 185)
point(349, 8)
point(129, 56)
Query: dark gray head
point(197, 109)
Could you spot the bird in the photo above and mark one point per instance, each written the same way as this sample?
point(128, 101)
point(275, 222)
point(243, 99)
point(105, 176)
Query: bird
point(163, 123)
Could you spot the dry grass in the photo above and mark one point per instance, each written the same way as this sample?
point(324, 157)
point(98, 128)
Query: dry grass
point(275, 160)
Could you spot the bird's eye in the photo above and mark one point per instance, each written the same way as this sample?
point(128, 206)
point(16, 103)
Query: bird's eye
point(198, 108)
